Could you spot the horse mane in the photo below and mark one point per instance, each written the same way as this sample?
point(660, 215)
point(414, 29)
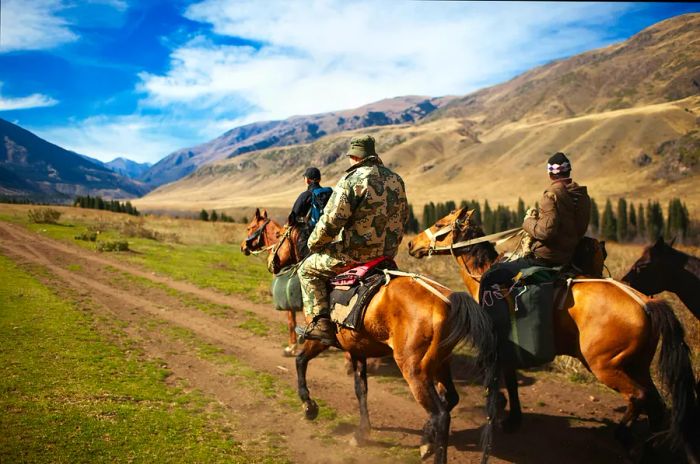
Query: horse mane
point(483, 253)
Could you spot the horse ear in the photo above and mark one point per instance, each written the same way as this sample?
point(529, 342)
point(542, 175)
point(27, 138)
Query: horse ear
point(257, 212)
point(264, 214)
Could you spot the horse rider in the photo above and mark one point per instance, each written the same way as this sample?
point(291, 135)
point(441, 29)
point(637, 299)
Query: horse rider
point(302, 205)
point(555, 228)
point(363, 220)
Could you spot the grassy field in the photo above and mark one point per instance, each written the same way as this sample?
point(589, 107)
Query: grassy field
point(71, 394)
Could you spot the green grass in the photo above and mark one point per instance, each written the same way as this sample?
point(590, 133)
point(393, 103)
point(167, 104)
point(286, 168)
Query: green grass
point(254, 325)
point(219, 266)
point(69, 395)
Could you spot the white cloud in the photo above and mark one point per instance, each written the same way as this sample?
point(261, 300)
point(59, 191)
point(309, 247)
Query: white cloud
point(330, 55)
point(35, 100)
point(33, 25)
point(139, 138)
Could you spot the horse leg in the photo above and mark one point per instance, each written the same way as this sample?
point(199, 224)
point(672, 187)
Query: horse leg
point(309, 351)
point(360, 368)
point(619, 380)
point(515, 416)
point(448, 392)
point(291, 349)
point(436, 431)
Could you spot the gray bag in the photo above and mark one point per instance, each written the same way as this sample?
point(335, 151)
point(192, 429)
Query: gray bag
point(286, 289)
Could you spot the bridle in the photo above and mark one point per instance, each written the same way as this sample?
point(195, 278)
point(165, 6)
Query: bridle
point(275, 248)
point(255, 239)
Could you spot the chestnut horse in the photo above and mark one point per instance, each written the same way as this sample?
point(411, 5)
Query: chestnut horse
point(599, 323)
point(420, 327)
point(663, 268)
point(262, 235)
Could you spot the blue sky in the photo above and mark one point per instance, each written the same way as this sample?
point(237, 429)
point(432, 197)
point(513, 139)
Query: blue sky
point(140, 79)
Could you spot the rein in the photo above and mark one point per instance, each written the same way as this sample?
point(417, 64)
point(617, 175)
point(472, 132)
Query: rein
point(498, 238)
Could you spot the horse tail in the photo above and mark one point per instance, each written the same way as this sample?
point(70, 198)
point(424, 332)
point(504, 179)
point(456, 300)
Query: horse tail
point(676, 371)
point(468, 320)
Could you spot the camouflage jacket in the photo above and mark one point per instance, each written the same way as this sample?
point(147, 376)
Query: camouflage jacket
point(365, 216)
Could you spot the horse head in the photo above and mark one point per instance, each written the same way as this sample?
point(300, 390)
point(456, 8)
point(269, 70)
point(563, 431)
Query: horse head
point(649, 273)
point(459, 225)
point(255, 232)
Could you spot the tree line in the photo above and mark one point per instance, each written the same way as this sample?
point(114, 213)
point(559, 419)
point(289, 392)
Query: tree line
point(625, 223)
point(215, 217)
point(106, 205)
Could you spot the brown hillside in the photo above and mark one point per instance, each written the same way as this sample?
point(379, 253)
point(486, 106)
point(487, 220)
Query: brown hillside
point(630, 128)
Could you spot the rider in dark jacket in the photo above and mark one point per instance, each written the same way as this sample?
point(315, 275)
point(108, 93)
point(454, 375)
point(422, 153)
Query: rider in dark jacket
point(312, 177)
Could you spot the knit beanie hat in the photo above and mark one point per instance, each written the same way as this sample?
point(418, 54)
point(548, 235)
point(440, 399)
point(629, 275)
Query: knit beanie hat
point(558, 163)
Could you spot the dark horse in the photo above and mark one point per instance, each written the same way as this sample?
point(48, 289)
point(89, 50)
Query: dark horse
point(663, 268)
point(420, 327)
point(613, 333)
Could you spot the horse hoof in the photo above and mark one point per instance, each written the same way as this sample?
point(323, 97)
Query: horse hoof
point(426, 450)
point(290, 351)
point(311, 410)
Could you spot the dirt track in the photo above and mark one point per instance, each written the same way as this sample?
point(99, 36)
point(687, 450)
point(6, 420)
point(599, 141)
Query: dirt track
point(564, 421)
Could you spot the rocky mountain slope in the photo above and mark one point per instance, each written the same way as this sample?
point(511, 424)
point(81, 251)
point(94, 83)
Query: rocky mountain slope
point(627, 114)
point(31, 167)
point(292, 131)
point(128, 168)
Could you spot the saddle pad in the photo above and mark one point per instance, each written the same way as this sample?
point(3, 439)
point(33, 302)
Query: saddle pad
point(356, 274)
point(349, 303)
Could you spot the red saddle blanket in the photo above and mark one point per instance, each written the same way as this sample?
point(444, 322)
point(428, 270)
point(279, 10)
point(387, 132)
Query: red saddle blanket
point(352, 276)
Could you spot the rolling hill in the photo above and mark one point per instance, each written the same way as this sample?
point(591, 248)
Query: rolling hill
point(628, 115)
point(32, 168)
point(292, 131)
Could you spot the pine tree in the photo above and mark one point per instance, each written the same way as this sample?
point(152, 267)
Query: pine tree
point(203, 215)
point(213, 216)
point(621, 220)
point(608, 227)
point(411, 226)
point(632, 226)
point(595, 217)
point(488, 219)
point(641, 222)
point(521, 210)
point(450, 206)
point(426, 216)
point(655, 220)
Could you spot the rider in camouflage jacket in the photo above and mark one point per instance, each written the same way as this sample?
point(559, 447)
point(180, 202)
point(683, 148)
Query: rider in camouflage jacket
point(363, 220)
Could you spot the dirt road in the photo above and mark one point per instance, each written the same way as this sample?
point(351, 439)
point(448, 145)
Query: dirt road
point(209, 342)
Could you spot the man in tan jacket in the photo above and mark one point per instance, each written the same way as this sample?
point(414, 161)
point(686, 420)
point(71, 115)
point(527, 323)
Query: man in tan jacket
point(556, 228)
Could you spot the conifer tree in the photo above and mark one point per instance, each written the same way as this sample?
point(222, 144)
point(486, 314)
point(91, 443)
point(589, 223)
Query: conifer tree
point(632, 226)
point(608, 226)
point(521, 209)
point(621, 220)
point(488, 219)
point(411, 225)
point(203, 215)
point(213, 216)
point(641, 222)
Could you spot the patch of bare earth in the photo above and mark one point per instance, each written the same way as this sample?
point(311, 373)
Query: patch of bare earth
point(564, 421)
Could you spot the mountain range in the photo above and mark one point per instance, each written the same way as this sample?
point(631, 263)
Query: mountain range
point(627, 114)
point(31, 167)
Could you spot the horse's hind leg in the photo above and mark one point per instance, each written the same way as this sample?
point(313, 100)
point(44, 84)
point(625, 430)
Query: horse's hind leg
point(515, 414)
point(447, 390)
point(291, 349)
point(309, 350)
point(436, 431)
point(360, 368)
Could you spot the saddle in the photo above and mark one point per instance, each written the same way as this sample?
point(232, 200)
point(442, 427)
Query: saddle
point(352, 291)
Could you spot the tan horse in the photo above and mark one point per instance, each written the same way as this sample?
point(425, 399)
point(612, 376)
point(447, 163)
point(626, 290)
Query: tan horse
point(608, 330)
point(420, 328)
point(262, 235)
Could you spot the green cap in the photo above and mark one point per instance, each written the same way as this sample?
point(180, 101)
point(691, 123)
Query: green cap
point(362, 147)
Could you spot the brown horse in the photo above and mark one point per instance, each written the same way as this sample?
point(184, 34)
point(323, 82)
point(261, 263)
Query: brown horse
point(607, 329)
point(420, 328)
point(663, 268)
point(262, 235)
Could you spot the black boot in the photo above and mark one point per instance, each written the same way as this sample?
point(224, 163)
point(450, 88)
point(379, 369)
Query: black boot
point(322, 329)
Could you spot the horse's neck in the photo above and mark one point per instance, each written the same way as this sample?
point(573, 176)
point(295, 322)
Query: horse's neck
point(471, 270)
point(271, 234)
point(686, 283)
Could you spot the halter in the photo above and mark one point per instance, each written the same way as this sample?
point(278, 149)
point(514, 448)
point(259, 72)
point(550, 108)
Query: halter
point(257, 235)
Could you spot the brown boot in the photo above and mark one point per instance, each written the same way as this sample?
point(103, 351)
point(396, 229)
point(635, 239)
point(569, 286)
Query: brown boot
point(322, 329)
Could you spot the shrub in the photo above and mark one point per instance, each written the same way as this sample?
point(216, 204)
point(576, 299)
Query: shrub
point(87, 236)
point(44, 215)
point(113, 245)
